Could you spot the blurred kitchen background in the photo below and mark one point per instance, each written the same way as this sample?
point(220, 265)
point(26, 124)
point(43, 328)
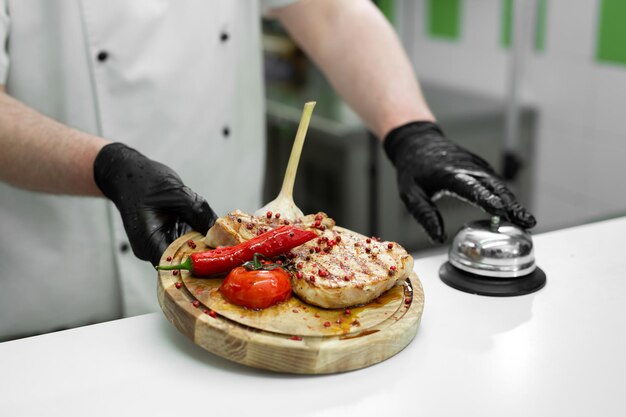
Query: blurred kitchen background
point(536, 87)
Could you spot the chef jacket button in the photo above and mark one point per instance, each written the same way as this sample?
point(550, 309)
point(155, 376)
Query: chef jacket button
point(224, 36)
point(124, 247)
point(102, 56)
point(226, 131)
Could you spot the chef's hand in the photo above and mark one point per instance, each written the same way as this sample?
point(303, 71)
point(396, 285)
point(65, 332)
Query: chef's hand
point(155, 205)
point(429, 165)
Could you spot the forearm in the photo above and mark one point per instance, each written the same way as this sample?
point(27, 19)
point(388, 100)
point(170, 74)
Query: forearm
point(40, 154)
point(359, 52)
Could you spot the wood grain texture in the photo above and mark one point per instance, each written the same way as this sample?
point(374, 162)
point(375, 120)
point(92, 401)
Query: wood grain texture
point(292, 336)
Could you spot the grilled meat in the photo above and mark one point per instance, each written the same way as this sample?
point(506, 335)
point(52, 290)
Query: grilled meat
point(343, 268)
point(340, 268)
point(237, 226)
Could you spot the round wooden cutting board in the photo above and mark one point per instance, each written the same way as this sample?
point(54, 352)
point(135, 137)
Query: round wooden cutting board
point(293, 336)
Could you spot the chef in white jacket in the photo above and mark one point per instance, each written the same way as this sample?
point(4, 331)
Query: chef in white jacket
point(180, 82)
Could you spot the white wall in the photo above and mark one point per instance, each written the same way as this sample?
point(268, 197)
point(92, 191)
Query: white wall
point(581, 138)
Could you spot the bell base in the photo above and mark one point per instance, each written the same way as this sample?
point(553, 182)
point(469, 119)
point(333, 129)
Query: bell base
point(492, 287)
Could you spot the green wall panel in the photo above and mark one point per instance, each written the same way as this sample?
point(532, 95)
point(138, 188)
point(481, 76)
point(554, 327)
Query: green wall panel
point(541, 22)
point(444, 19)
point(388, 7)
point(611, 32)
point(506, 28)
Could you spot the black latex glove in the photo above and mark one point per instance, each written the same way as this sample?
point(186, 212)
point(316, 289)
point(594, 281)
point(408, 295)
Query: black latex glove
point(429, 165)
point(155, 205)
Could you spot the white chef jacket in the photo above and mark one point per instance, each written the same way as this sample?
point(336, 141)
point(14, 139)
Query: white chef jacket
point(179, 80)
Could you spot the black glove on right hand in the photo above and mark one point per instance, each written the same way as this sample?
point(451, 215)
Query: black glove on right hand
point(155, 205)
point(429, 165)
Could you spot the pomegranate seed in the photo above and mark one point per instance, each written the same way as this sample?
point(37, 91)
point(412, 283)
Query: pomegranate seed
point(392, 267)
point(178, 284)
point(368, 250)
point(299, 275)
point(212, 313)
point(327, 248)
point(296, 337)
point(196, 303)
point(322, 228)
point(368, 240)
point(205, 311)
point(317, 223)
point(277, 215)
point(326, 324)
point(347, 312)
point(312, 278)
point(323, 273)
point(390, 246)
point(175, 272)
point(295, 311)
point(317, 249)
point(338, 239)
point(346, 278)
point(269, 214)
point(190, 243)
point(407, 301)
point(169, 258)
point(249, 226)
point(299, 265)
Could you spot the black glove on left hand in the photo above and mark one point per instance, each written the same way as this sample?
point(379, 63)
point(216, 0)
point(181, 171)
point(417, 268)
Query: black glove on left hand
point(429, 165)
point(155, 205)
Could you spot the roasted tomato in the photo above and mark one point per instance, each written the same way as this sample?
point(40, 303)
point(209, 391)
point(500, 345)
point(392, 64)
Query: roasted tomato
point(257, 289)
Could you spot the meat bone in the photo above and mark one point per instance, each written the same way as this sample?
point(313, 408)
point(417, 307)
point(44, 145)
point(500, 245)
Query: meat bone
point(284, 203)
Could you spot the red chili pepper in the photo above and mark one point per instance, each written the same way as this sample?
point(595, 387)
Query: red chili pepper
point(269, 244)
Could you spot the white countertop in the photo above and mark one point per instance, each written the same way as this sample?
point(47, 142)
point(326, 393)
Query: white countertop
point(558, 352)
